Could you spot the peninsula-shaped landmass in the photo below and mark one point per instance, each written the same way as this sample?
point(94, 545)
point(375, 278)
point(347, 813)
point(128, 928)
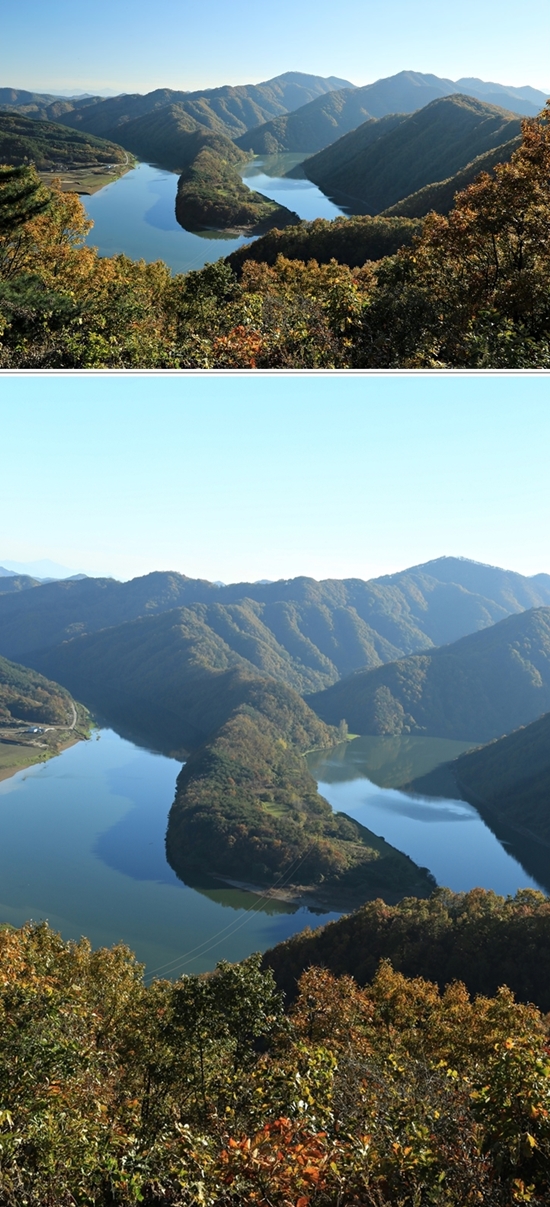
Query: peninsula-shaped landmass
point(212, 195)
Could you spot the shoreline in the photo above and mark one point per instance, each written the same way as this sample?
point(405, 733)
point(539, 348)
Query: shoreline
point(6, 773)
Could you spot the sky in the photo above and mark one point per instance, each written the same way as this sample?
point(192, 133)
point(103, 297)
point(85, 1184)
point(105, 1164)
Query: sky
point(241, 477)
point(115, 45)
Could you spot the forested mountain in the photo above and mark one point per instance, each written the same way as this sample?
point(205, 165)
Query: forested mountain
point(247, 807)
point(42, 106)
point(430, 145)
point(475, 689)
point(440, 195)
point(50, 145)
point(316, 631)
point(510, 778)
point(311, 128)
point(17, 582)
point(324, 120)
point(478, 937)
point(28, 696)
point(229, 110)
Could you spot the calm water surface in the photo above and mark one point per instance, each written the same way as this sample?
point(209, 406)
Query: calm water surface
point(82, 844)
point(446, 836)
point(136, 214)
point(267, 174)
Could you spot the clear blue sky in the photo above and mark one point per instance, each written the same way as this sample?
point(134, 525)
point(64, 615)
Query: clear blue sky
point(246, 477)
point(139, 46)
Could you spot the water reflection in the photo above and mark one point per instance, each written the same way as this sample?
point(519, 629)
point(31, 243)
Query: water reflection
point(281, 178)
point(389, 762)
point(446, 835)
point(136, 215)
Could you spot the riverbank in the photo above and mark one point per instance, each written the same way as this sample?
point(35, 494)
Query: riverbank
point(87, 180)
point(19, 750)
point(17, 756)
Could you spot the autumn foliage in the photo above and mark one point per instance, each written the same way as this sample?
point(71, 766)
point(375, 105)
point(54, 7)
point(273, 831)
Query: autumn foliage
point(204, 1091)
point(471, 291)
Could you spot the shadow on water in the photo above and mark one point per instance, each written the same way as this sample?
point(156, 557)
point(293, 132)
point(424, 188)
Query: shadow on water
point(134, 845)
point(533, 856)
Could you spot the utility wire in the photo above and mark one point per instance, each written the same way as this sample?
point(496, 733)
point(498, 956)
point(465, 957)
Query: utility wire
point(215, 939)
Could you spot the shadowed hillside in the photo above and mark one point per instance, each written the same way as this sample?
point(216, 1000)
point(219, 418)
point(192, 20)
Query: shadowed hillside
point(428, 146)
point(440, 196)
point(478, 937)
point(508, 780)
point(49, 146)
point(477, 688)
point(28, 696)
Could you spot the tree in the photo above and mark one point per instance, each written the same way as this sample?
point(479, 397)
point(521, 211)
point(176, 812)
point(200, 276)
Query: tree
point(22, 197)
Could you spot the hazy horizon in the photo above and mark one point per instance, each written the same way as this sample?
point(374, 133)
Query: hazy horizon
point(106, 93)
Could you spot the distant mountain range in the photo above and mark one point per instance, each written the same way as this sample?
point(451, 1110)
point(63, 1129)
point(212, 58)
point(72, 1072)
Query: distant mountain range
point(137, 647)
point(291, 112)
point(323, 120)
point(226, 110)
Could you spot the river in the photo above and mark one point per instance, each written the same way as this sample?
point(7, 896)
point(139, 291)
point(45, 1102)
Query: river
point(136, 213)
point(447, 836)
point(82, 845)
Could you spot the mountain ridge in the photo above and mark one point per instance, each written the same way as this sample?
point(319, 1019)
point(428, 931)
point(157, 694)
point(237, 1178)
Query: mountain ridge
point(482, 686)
point(429, 145)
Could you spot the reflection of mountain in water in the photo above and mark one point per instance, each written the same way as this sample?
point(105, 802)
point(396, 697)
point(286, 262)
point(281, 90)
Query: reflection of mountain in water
point(402, 787)
point(389, 762)
point(135, 844)
point(533, 855)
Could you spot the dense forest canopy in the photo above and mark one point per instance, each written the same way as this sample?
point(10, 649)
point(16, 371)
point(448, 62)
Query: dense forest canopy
point(28, 696)
point(512, 777)
point(48, 145)
point(393, 1094)
point(377, 167)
